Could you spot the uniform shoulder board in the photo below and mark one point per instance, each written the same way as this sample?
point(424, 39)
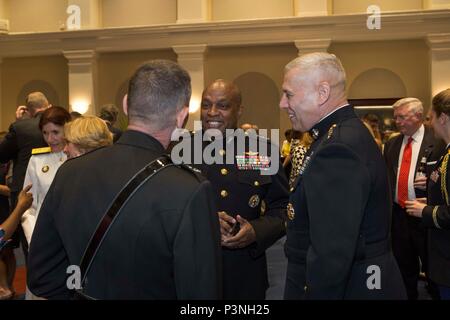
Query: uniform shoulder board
point(44, 150)
point(196, 172)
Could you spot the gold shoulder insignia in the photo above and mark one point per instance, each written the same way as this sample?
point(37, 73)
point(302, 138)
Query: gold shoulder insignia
point(331, 130)
point(41, 150)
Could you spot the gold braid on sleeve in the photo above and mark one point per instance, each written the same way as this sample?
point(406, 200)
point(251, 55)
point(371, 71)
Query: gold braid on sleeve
point(444, 178)
point(435, 209)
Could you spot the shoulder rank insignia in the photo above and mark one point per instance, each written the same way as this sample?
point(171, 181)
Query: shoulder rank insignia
point(331, 130)
point(41, 150)
point(192, 168)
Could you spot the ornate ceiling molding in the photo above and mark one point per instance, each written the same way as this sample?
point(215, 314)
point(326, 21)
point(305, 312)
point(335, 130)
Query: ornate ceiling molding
point(339, 28)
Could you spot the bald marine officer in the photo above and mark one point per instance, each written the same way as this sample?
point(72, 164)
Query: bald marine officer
point(239, 194)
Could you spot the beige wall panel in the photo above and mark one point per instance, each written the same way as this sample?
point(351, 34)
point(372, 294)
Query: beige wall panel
point(259, 73)
point(389, 62)
point(120, 13)
point(352, 6)
point(4, 10)
point(20, 76)
point(251, 9)
point(36, 15)
point(114, 72)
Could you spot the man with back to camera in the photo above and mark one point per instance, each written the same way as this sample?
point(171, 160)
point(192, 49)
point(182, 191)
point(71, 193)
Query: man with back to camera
point(165, 243)
point(338, 244)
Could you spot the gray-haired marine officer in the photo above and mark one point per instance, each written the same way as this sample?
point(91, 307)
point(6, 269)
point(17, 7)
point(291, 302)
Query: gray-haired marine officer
point(338, 234)
point(240, 192)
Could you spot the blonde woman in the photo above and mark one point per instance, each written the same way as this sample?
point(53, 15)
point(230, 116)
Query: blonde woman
point(85, 134)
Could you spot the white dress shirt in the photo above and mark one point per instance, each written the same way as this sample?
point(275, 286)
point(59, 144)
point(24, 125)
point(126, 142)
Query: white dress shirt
point(415, 144)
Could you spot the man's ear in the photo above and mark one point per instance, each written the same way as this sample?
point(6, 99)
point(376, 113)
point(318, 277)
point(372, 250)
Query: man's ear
point(324, 90)
point(125, 104)
point(182, 117)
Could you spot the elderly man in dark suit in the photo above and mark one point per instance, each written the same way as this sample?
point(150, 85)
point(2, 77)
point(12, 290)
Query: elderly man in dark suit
point(338, 235)
point(403, 154)
point(164, 243)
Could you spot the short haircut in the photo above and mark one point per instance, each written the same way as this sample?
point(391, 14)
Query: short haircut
point(414, 104)
point(328, 64)
point(88, 133)
point(56, 115)
point(157, 91)
point(109, 113)
point(36, 100)
point(441, 102)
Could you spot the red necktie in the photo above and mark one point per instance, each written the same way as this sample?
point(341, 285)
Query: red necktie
point(402, 192)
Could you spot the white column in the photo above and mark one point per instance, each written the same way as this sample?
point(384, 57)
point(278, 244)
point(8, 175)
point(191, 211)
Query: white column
point(312, 45)
point(4, 22)
point(309, 8)
point(82, 80)
point(90, 12)
point(439, 45)
point(192, 11)
point(192, 58)
point(436, 4)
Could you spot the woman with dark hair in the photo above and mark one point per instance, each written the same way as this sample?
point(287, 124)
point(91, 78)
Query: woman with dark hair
point(435, 213)
point(44, 163)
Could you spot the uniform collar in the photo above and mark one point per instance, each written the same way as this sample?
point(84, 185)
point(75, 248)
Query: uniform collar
point(140, 139)
point(340, 114)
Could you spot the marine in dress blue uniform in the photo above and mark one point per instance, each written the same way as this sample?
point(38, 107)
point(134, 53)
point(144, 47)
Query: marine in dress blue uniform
point(240, 192)
point(339, 210)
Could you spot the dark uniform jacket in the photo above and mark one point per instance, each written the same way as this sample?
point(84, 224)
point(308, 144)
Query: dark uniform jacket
point(436, 216)
point(242, 192)
point(165, 244)
point(339, 218)
point(23, 136)
point(431, 148)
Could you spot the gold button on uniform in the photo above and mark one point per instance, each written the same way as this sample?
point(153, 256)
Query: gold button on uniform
point(224, 171)
point(224, 193)
point(256, 183)
point(305, 288)
point(222, 152)
point(45, 169)
point(292, 189)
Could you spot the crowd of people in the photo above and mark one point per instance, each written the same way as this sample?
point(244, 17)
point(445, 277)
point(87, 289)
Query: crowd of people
point(364, 215)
